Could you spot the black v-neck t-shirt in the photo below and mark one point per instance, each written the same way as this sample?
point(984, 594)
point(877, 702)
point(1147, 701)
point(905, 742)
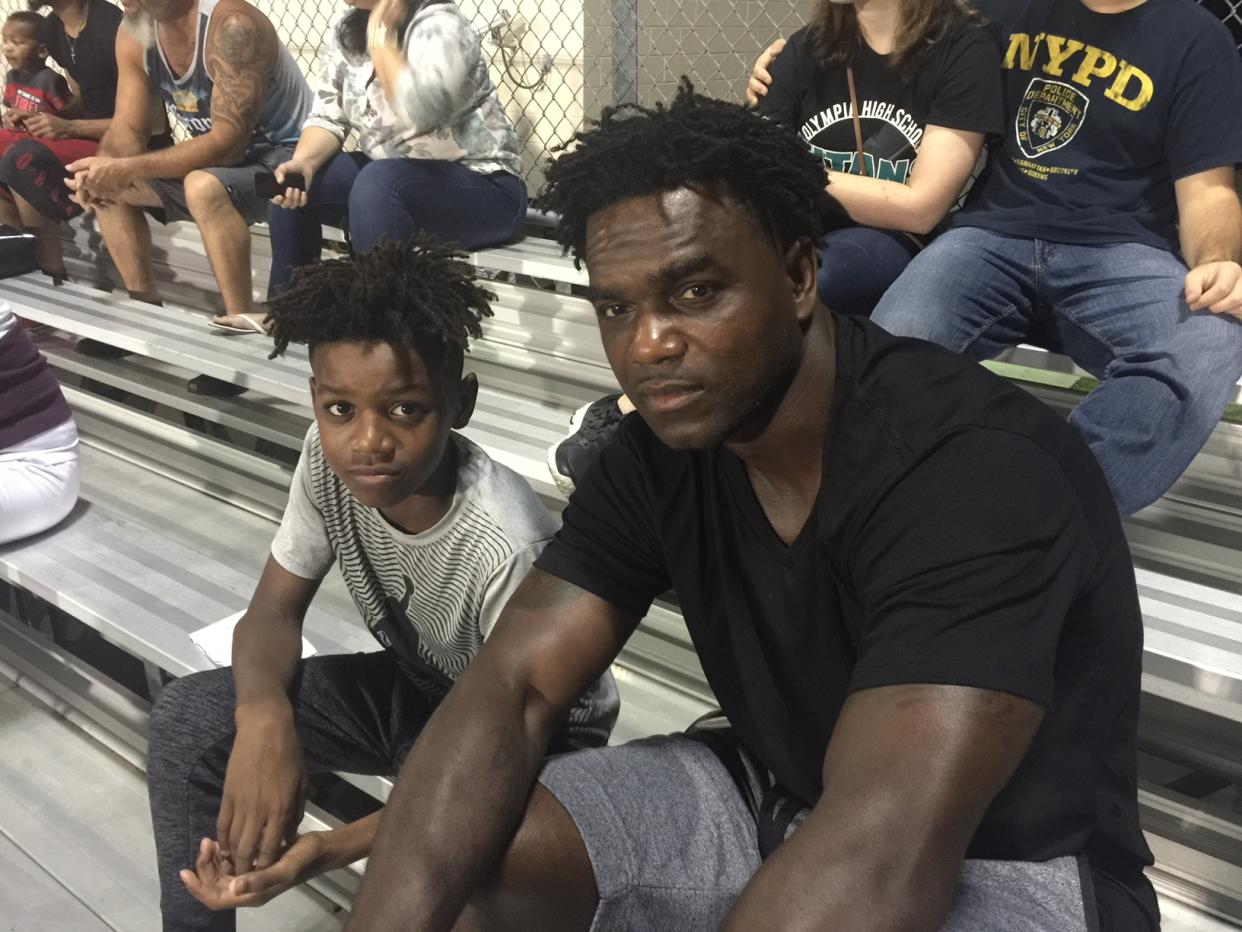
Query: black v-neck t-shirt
point(963, 534)
point(90, 59)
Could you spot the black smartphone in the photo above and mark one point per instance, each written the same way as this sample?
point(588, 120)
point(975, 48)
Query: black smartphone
point(266, 185)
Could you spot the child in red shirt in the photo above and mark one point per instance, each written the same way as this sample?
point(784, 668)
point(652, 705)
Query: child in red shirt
point(30, 85)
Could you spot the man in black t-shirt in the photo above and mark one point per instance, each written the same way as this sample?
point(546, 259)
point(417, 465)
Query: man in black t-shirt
point(1107, 226)
point(905, 579)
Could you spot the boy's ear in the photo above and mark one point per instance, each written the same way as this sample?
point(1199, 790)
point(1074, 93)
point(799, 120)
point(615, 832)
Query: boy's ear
point(467, 395)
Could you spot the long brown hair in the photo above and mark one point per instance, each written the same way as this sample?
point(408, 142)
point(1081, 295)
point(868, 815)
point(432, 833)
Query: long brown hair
point(836, 38)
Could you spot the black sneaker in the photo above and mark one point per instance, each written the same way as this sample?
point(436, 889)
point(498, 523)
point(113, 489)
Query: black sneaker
point(99, 350)
point(213, 387)
point(590, 430)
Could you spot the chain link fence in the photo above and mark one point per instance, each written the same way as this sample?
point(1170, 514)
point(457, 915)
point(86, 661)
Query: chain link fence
point(558, 63)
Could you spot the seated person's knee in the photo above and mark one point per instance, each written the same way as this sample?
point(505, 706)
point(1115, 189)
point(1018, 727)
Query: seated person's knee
point(205, 193)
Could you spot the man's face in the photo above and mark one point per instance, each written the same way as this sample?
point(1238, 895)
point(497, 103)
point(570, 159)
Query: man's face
point(21, 49)
point(384, 418)
point(164, 10)
point(700, 313)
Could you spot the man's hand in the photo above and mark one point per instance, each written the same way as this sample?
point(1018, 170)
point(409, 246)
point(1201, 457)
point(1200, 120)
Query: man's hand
point(264, 790)
point(214, 883)
point(48, 126)
point(760, 80)
point(1216, 287)
point(101, 176)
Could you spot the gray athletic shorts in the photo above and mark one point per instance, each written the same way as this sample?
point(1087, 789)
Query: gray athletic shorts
point(238, 180)
point(672, 843)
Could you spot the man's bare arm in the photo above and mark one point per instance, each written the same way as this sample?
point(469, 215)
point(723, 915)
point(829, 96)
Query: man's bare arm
point(464, 787)
point(129, 129)
point(1210, 223)
point(908, 775)
point(240, 54)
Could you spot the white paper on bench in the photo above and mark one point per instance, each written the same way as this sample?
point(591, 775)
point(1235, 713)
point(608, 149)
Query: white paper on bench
point(216, 640)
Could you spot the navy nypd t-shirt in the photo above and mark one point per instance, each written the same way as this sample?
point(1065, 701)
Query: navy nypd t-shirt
point(1104, 113)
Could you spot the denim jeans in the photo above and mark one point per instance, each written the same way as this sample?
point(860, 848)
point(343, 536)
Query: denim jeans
point(1117, 310)
point(857, 264)
point(396, 198)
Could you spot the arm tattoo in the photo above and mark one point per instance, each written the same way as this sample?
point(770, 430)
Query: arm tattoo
point(239, 57)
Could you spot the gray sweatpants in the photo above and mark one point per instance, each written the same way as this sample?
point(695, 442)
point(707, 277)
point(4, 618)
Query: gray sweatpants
point(672, 842)
point(358, 713)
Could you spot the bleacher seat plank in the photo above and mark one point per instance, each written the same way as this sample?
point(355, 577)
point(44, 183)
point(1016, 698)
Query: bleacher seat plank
point(273, 419)
point(144, 592)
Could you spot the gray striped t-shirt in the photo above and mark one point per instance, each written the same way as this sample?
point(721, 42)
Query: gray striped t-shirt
point(430, 598)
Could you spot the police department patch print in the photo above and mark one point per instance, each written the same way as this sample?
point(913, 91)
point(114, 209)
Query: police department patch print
point(1049, 116)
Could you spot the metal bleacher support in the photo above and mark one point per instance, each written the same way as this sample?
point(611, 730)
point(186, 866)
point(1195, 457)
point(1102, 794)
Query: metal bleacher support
point(540, 359)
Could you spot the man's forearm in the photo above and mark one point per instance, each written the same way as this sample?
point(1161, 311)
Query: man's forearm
point(121, 141)
point(833, 875)
point(206, 151)
point(88, 129)
point(1211, 230)
point(458, 800)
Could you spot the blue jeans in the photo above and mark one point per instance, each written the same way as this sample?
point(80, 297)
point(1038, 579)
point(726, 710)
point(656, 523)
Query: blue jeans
point(1165, 373)
point(857, 264)
point(396, 198)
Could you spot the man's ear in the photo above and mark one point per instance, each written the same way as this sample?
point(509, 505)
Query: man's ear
point(467, 395)
point(802, 267)
point(314, 387)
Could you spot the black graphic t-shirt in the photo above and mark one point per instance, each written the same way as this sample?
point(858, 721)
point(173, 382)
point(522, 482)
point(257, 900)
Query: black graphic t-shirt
point(1104, 113)
point(90, 59)
point(954, 87)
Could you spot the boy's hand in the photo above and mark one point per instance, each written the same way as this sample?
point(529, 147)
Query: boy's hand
point(264, 790)
point(12, 119)
point(214, 884)
point(47, 126)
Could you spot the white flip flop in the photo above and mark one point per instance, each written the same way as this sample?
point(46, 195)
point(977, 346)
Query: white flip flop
point(254, 321)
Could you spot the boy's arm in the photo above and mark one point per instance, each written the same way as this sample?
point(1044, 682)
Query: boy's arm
point(66, 124)
point(264, 782)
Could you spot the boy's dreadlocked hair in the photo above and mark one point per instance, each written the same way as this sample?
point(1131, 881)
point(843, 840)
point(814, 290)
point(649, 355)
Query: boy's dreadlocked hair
point(695, 142)
point(413, 293)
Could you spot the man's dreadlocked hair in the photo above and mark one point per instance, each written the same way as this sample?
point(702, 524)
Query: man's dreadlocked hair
point(413, 293)
point(695, 142)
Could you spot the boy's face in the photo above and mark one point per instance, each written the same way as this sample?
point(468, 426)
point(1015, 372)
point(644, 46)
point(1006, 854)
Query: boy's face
point(21, 49)
point(384, 417)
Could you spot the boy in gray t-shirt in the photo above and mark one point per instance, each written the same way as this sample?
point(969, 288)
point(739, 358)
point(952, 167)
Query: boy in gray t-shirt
point(431, 537)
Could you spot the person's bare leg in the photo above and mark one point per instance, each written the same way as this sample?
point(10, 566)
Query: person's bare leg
point(9, 216)
point(543, 881)
point(48, 252)
point(226, 239)
point(128, 239)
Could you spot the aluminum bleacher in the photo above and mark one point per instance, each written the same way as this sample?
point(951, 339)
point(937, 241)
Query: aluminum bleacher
point(144, 574)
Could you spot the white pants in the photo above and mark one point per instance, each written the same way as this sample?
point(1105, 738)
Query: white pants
point(39, 482)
